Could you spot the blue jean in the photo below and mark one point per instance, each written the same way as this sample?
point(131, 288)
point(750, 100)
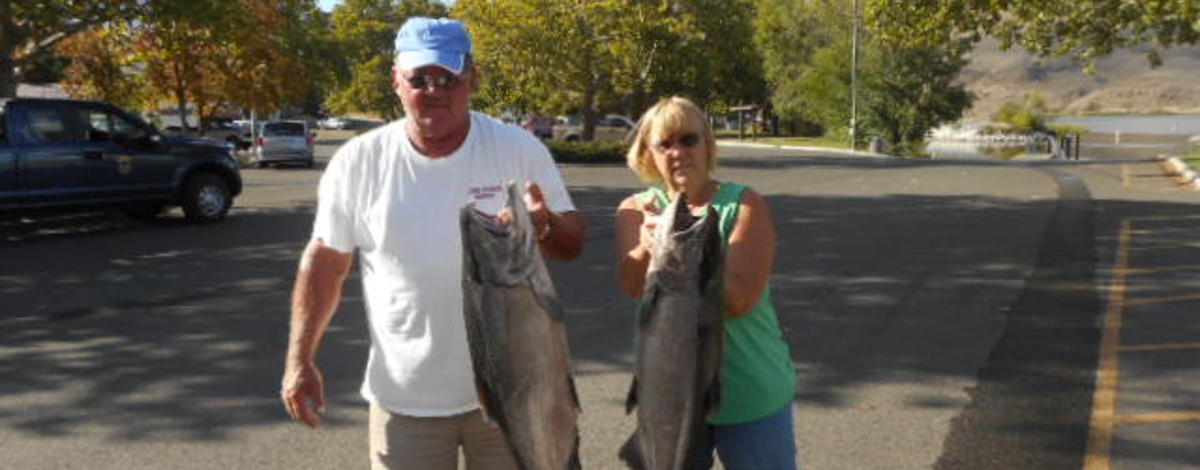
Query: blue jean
point(765, 443)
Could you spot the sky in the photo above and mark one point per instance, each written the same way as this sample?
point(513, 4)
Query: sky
point(327, 5)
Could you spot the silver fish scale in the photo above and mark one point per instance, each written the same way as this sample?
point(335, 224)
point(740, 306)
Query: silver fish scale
point(518, 341)
point(680, 333)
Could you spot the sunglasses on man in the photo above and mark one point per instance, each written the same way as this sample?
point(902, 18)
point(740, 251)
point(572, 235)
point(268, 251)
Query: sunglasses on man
point(447, 82)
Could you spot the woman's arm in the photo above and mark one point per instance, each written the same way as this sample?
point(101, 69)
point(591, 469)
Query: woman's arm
point(751, 254)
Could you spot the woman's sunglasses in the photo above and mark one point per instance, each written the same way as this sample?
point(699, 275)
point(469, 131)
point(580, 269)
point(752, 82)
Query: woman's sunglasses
point(686, 141)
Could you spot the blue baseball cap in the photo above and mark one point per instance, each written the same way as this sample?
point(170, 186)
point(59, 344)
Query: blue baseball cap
point(432, 41)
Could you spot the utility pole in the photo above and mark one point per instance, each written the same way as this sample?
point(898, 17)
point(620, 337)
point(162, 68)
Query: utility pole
point(854, 77)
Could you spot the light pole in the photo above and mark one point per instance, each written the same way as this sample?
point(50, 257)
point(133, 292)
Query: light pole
point(854, 75)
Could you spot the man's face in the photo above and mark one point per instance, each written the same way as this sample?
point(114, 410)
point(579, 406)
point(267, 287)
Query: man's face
point(436, 101)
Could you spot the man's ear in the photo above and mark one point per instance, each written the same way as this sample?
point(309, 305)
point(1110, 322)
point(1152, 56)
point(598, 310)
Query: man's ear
point(395, 78)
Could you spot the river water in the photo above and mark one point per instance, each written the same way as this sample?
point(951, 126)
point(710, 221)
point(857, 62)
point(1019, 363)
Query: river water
point(1109, 137)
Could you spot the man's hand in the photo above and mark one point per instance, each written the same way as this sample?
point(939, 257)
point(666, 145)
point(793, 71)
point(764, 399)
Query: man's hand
point(303, 392)
point(538, 210)
point(535, 203)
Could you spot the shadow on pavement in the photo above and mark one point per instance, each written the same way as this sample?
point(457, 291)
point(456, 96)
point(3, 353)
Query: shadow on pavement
point(165, 329)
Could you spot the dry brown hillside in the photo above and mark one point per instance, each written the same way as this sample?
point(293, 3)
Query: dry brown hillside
point(1124, 82)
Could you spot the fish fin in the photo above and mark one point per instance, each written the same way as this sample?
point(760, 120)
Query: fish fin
point(574, 394)
point(573, 463)
point(712, 339)
point(544, 292)
point(547, 298)
point(646, 307)
point(712, 402)
point(631, 454)
point(481, 349)
point(631, 398)
point(489, 403)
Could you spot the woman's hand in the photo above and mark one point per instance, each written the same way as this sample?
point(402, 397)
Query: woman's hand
point(635, 225)
point(651, 214)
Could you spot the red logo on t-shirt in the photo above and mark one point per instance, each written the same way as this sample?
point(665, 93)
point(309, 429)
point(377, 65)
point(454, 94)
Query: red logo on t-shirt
point(485, 192)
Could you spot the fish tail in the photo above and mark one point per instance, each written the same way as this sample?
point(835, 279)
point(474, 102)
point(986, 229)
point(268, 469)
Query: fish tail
point(631, 454)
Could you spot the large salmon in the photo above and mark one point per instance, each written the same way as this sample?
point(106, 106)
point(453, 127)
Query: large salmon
point(517, 339)
point(676, 381)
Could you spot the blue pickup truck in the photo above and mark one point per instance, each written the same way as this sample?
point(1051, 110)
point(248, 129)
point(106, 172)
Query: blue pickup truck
point(71, 154)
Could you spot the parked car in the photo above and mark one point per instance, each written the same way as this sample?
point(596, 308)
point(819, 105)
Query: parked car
point(334, 123)
point(225, 131)
point(609, 128)
point(540, 125)
point(285, 142)
point(59, 154)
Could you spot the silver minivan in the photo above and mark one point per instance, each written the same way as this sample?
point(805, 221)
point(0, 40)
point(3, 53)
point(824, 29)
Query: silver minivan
point(284, 142)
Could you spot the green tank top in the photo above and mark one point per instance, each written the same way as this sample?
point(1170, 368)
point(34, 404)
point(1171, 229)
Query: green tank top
point(758, 377)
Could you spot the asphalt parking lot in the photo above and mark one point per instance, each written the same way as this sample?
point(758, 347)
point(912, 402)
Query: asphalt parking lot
point(941, 315)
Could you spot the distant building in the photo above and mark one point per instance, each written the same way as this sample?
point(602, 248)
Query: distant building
point(49, 90)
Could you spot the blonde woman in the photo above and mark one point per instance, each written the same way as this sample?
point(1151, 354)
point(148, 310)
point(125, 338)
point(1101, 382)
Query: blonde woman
point(675, 152)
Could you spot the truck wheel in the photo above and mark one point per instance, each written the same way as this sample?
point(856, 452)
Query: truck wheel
point(205, 198)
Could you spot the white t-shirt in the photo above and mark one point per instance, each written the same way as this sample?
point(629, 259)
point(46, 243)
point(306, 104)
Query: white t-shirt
point(400, 210)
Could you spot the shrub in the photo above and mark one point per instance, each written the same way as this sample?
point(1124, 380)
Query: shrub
point(587, 152)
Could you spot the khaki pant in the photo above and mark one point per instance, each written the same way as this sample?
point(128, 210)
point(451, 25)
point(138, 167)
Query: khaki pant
point(405, 442)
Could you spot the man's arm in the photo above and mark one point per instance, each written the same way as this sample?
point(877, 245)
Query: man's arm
point(315, 298)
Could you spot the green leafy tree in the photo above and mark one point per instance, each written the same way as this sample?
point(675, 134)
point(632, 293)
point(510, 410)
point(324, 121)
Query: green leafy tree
point(29, 31)
point(1084, 29)
point(1030, 115)
point(549, 55)
point(909, 91)
point(904, 90)
point(365, 32)
point(589, 57)
point(805, 50)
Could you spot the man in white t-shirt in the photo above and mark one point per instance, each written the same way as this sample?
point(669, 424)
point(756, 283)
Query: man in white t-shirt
point(393, 196)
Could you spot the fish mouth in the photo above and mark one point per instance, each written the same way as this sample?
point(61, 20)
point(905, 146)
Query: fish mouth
point(683, 219)
point(488, 223)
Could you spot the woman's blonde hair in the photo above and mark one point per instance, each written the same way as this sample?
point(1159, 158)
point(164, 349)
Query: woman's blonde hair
point(669, 117)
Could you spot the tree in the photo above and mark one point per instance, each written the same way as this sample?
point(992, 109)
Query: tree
point(274, 54)
point(551, 55)
point(365, 32)
point(100, 67)
point(1084, 29)
point(1027, 116)
point(910, 90)
point(904, 89)
point(31, 30)
point(589, 57)
point(805, 50)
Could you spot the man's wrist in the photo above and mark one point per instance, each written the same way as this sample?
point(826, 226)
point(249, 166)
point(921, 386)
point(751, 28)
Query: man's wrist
point(544, 233)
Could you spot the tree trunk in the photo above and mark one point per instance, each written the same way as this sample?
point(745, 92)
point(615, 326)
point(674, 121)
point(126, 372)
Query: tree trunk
point(181, 108)
point(9, 39)
point(8, 76)
point(589, 113)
